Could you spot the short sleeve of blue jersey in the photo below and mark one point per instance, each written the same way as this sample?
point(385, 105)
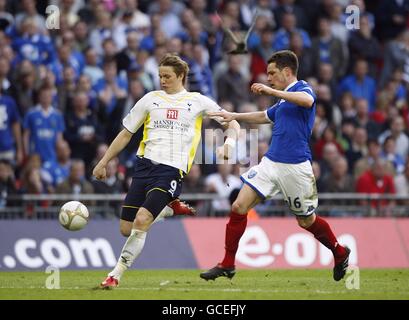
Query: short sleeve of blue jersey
point(271, 113)
point(307, 89)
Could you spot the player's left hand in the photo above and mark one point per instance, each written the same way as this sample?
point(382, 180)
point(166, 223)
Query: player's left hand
point(260, 88)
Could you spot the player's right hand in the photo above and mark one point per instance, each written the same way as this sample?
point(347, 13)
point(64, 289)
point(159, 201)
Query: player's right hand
point(99, 171)
point(222, 117)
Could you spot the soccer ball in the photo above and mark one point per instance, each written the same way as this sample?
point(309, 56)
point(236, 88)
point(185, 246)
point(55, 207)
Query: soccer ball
point(73, 215)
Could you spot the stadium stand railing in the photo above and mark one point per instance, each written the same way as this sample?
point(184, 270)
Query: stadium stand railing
point(103, 206)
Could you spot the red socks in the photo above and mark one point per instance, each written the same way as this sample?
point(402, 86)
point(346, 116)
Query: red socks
point(234, 230)
point(323, 233)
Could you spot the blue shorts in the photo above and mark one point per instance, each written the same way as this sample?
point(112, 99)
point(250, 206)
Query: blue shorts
point(165, 180)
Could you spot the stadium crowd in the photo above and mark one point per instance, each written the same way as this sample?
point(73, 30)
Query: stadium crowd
point(65, 88)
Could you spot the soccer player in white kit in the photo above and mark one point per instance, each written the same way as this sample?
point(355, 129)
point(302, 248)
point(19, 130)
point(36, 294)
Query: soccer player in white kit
point(285, 168)
point(172, 119)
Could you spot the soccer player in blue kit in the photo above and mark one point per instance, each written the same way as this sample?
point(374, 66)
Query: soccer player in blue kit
point(285, 168)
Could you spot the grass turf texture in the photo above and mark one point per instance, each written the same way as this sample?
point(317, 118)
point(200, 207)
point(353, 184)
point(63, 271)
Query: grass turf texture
point(186, 284)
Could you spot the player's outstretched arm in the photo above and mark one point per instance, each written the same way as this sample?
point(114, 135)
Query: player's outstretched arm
point(301, 99)
point(119, 143)
point(258, 117)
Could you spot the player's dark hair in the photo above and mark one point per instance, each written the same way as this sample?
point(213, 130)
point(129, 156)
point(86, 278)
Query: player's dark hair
point(285, 58)
point(179, 66)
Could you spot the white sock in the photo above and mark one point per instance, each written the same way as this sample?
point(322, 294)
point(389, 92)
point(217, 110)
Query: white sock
point(131, 250)
point(166, 212)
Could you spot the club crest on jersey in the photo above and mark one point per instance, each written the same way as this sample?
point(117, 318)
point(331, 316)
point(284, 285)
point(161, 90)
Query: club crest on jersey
point(172, 114)
point(252, 174)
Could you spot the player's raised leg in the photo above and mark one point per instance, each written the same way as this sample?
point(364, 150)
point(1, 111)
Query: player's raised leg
point(323, 233)
point(235, 228)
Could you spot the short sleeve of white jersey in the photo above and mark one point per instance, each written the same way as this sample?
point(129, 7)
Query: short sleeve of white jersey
point(136, 116)
point(209, 105)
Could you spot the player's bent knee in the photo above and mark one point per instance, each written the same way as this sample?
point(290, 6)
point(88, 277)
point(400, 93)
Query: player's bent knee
point(237, 207)
point(143, 219)
point(305, 222)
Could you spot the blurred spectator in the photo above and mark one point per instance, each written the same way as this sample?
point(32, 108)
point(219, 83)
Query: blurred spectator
point(339, 180)
point(360, 84)
point(330, 153)
point(169, 12)
point(397, 132)
point(82, 130)
point(128, 54)
point(373, 128)
point(338, 27)
point(81, 31)
point(231, 83)
point(222, 183)
point(286, 6)
point(76, 183)
point(91, 69)
point(391, 18)
point(24, 87)
point(362, 45)
point(7, 184)
point(102, 30)
point(358, 147)
point(365, 163)
point(326, 48)
point(66, 89)
point(303, 54)
point(389, 153)
point(396, 55)
point(29, 10)
point(56, 172)
point(326, 76)
point(377, 181)
point(32, 45)
point(288, 26)
point(11, 143)
point(43, 127)
point(111, 91)
point(261, 52)
point(329, 136)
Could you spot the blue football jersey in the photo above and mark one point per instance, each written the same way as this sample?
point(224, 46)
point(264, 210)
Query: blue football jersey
point(292, 128)
point(44, 129)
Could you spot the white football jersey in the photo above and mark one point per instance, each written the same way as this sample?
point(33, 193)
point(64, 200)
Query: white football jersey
point(173, 125)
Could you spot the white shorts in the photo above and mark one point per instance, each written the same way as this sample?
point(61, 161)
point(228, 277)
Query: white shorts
point(295, 181)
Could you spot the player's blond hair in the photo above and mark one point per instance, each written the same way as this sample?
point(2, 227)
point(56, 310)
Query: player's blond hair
point(180, 67)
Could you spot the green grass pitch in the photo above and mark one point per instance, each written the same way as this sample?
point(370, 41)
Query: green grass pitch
point(186, 284)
